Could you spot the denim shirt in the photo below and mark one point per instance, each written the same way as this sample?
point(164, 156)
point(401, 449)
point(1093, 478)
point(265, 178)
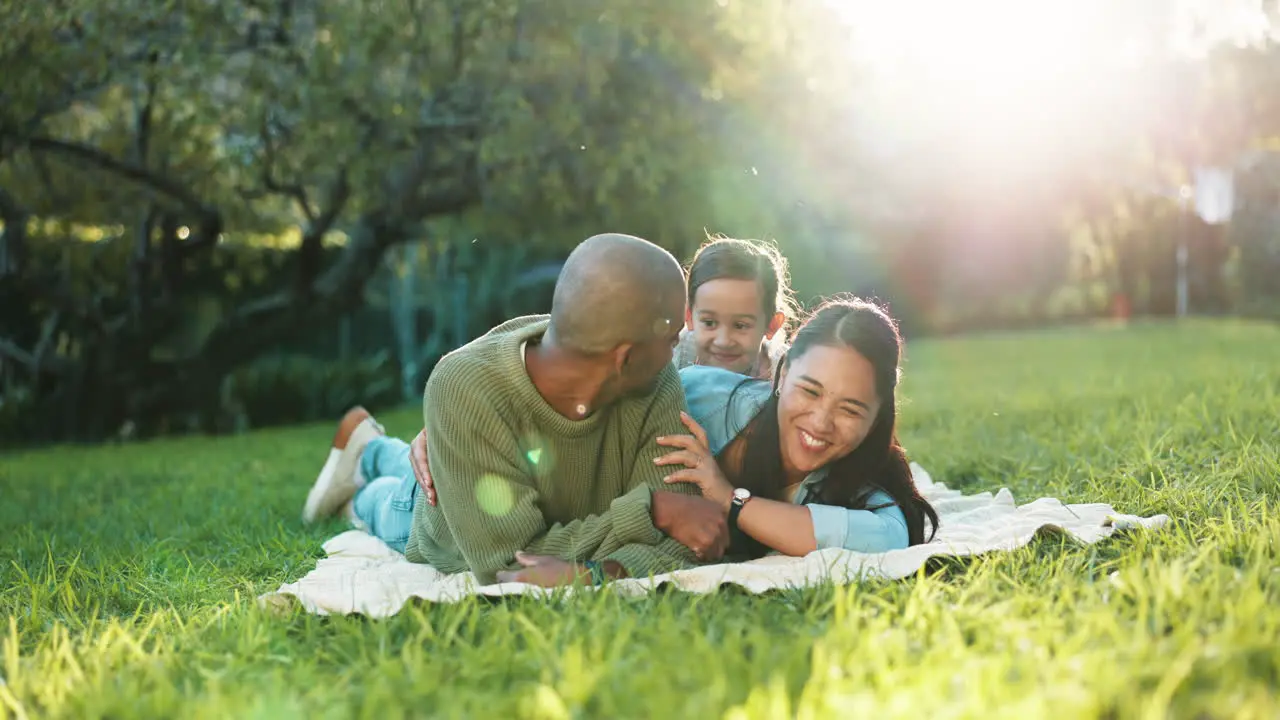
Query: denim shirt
point(722, 403)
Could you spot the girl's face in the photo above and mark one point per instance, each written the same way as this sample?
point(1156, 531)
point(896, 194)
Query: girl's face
point(826, 406)
point(728, 324)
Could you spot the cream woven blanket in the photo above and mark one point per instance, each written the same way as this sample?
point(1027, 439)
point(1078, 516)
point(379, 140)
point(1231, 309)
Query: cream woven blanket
point(362, 575)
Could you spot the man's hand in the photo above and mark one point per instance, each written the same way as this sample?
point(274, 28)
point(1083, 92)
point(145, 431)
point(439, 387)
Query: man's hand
point(548, 571)
point(544, 570)
point(695, 522)
point(421, 471)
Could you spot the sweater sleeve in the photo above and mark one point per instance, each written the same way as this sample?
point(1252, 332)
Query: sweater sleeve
point(686, 351)
point(490, 501)
point(658, 553)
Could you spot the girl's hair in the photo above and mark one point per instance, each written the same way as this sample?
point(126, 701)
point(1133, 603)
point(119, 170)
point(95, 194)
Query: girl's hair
point(724, 258)
point(879, 461)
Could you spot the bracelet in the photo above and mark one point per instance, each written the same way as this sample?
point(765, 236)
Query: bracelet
point(597, 571)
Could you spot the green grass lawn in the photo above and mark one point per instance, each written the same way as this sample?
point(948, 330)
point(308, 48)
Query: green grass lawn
point(128, 573)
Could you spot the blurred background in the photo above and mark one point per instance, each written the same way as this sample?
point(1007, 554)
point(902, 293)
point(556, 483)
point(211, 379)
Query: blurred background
point(225, 214)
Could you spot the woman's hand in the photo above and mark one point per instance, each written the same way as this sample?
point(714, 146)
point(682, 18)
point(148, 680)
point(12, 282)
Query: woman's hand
point(700, 466)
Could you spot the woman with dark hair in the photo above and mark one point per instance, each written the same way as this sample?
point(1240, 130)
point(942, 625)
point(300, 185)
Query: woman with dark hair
point(811, 460)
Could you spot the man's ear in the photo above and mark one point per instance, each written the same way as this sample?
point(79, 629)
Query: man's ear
point(688, 318)
point(775, 325)
point(622, 357)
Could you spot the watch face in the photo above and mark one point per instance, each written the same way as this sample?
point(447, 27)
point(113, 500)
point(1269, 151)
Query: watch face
point(741, 494)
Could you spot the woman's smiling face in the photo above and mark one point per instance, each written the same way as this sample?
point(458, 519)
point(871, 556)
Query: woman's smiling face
point(826, 407)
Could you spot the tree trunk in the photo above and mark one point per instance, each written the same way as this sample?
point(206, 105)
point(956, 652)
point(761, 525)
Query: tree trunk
point(13, 239)
point(140, 270)
point(404, 317)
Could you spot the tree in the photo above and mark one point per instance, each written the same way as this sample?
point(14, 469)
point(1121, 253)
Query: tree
point(197, 125)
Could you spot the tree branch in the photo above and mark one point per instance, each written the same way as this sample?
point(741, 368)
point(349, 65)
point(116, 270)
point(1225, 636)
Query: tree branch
point(57, 196)
point(294, 191)
point(37, 366)
point(208, 224)
point(405, 204)
point(339, 193)
point(94, 157)
point(47, 333)
point(57, 98)
point(373, 234)
point(51, 288)
point(258, 324)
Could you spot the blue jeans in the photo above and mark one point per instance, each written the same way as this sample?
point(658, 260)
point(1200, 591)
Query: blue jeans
point(385, 503)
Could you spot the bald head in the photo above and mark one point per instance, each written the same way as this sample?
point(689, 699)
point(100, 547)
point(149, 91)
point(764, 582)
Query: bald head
point(616, 289)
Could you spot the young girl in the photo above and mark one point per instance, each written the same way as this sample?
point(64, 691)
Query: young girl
point(739, 306)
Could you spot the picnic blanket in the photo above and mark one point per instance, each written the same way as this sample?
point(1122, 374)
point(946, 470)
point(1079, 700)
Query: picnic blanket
point(362, 575)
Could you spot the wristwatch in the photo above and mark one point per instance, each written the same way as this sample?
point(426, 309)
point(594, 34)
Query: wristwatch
point(740, 498)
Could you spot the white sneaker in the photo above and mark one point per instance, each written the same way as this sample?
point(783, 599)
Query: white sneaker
point(338, 480)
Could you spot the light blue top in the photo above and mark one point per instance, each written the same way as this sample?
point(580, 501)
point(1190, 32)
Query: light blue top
point(707, 392)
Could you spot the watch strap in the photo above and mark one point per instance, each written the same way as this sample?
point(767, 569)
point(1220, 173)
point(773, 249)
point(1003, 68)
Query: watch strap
point(735, 508)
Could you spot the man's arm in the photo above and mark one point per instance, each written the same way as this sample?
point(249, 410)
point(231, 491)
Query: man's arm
point(697, 528)
point(490, 501)
point(698, 521)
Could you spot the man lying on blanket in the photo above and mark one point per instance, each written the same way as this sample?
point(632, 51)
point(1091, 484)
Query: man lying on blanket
point(542, 440)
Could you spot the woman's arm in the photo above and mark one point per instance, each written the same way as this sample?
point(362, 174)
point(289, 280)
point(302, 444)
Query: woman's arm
point(782, 526)
point(868, 531)
point(801, 529)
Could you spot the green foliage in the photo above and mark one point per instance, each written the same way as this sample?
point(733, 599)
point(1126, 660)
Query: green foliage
point(354, 127)
point(189, 126)
point(128, 574)
point(256, 110)
point(1253, 230)
point(94, 265)
point(19, 417)
point(279, 390)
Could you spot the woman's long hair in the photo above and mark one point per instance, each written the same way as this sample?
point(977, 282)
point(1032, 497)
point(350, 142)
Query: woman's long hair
point(878, 461)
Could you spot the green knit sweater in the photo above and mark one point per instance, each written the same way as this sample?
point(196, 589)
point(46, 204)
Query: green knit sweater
point(513, 474)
